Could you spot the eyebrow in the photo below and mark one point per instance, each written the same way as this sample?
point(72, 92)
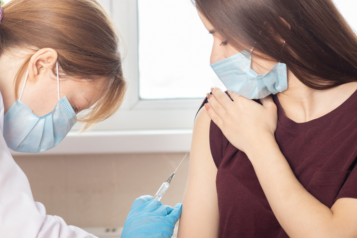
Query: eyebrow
point(212, 31)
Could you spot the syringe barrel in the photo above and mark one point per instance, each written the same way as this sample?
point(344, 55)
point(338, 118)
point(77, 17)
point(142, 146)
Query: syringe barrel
point(161, 191)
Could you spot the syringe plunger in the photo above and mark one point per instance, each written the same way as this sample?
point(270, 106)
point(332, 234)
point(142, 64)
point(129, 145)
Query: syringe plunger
point(164, 187)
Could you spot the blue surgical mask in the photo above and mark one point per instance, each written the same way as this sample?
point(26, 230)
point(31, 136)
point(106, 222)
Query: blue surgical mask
point(26, 132)
point(236, 74)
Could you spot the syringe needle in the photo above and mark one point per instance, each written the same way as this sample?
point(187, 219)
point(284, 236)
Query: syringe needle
point(181, 163)
point(166, 185)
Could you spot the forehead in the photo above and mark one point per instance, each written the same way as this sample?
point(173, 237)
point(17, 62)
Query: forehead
point(101, 86)
point(93, 87)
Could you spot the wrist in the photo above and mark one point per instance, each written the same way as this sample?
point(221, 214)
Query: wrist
point(263, 146)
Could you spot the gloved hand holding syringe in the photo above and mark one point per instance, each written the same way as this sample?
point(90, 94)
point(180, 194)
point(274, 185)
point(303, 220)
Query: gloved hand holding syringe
point(149, 218)
point(165, 186)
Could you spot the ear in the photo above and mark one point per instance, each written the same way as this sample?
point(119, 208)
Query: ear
point(43, 61)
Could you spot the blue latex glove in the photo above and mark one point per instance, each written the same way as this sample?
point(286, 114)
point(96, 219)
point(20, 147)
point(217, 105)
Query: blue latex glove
point(151, 219)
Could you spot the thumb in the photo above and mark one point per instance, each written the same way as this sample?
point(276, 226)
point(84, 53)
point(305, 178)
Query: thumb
point(268, 103)
point(140, 201)
point(176, 212)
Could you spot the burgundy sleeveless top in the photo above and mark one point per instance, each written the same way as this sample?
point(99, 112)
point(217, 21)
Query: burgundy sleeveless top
point(322, 154)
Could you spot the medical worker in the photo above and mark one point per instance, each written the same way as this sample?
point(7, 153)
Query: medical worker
point(57, 58)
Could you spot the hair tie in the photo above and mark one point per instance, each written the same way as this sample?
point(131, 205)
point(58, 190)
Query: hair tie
point(1, 10)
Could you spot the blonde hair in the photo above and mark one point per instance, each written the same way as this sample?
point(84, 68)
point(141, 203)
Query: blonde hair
point(83, 36)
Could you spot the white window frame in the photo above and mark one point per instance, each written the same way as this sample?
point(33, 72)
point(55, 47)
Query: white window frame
point(140, 126)
point(135, 113)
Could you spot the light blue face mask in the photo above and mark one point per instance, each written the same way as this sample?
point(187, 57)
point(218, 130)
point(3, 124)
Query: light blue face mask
point(26, 132)
point(236, 74)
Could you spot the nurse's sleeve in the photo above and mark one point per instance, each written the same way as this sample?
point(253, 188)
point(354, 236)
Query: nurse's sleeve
point(20, 215)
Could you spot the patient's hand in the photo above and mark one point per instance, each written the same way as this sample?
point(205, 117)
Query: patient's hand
point(245, 123)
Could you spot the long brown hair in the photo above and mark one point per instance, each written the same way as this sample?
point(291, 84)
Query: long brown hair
point(80, 32)
point(320, 49)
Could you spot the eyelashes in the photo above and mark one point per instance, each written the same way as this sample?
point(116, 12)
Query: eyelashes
point(224, 43)
point(75, 109)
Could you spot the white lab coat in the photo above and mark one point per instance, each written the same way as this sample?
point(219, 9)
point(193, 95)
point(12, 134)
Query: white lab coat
point(20, 215)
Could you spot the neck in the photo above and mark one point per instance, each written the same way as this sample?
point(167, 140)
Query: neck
point(10, 64)
point(302, 104)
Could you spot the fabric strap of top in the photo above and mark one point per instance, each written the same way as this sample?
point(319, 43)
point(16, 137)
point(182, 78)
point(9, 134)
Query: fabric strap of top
point(27, 75)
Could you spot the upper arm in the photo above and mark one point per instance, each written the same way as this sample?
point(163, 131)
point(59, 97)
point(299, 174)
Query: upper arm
point(345, 217)
point(200, 217)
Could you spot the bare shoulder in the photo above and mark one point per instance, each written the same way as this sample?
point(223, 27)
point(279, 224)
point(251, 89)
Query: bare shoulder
point(201, 156)
point(200, 137)
point(202, 121)
point(200, 216)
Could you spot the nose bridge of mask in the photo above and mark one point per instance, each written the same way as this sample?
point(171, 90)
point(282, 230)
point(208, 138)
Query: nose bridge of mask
point(232, 61)
point(236, 74)
point(27, 75)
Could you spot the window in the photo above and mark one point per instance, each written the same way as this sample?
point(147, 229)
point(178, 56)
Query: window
point(163, 93)
point(167, 68)
point(347, 8)
point(174, 51)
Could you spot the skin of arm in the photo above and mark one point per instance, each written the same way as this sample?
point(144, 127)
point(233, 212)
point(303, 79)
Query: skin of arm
point(250, 127)
point(200, 217)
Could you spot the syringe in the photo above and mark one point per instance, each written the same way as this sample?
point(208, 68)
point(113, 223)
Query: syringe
point(165, 186)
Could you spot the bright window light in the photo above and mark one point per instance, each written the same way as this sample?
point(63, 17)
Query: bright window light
point(174, 51)
point(348, 10)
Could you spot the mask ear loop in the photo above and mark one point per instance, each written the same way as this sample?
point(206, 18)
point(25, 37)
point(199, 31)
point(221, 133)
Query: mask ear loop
point(58, 85)
point(27, 75)
point(23, 87)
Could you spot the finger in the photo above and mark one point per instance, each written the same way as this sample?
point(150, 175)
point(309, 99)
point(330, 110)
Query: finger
point(216, 106)
point(176, 212)
point(214, 117)
point(168, 210)
point(222, 98)
point(152, 206)
point(268, 103)
point(148, 213)
point(233, 95)
point(140, 201)
point(162, 210)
